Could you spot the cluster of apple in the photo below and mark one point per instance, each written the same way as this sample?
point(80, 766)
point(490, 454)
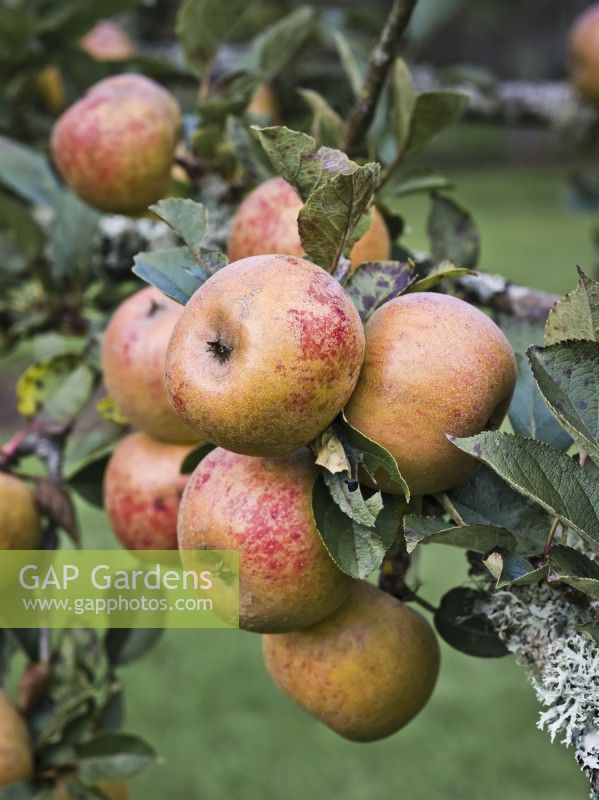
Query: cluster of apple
point(259, 362)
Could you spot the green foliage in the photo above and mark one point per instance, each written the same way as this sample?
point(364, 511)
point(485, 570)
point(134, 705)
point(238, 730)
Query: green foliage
point(575, 316)
point(453, 233)
point(27, 173)
point(377, 282)
point(461, 623)
point(479, 538)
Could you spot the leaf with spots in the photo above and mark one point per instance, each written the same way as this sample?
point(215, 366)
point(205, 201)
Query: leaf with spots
point(376, 282)
point(568, 377)
point(453, 233)
point(575, 316)
point(546, 475)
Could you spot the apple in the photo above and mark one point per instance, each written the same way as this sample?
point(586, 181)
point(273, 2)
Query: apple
point(133, 354)
point(107, 41)
point(264, 103)
point(583, 53)
point(262, 507)
point(20, 525)
point(143, 486)
point(266, 222)
point(114, 147)
point(434, 365)
point(16, 760)
point(265, 355)
point(365, 671)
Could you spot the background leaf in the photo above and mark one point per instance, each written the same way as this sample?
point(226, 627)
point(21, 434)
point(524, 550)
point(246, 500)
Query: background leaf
point(27, 173)
point(113, 757)
point(465, 628)
point(453, 233)
point(567, 565)
point(575, 316)
point(174, 271)
point(432, 530)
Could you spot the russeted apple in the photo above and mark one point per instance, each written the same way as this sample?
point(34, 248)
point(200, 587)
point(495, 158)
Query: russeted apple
point(107, 41)
point(133, 353)
point(262, 507)
point(16, 760)
point(583, 53)
point(20, 526)
point(365, 671)
point(114, 147)
point(265, 355)
point(266, 222)
point(143, 485)
point(434, 365)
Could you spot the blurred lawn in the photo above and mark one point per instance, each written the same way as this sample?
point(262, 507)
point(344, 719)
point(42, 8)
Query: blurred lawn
point(226, 733)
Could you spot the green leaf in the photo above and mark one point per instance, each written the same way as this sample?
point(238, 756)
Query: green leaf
point(348, 62)
point(332, 211)
point(453, 234)
point(113, 757)
point(430, 114)
point(376, 282)
point(441, 272)
point(89, 479)
point(69, 399)
point(327, 125)
point(514, 570)
point(546, 475)
point(403, 103)
point(278, 43)
point(41, 380)
point(191, 460)
point(529, 414)
point(575, 316)
point(486, 499)
point(590, 629)
point(567, 565)
point(373, 455)
point(568, 377)
point(27, 173)
point(18, 791)
point(174, 271)
point(432, 530)
point(72, 238)
point(187, 218)
point(348, 496)
point(356, 549)
point(407, 183)
point(464, 627)
point(204, 25)
point(124, 645)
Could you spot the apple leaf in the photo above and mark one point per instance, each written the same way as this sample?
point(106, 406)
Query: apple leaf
point(568, 377)
point(514, 570)
point(407, 183)
point(332, 211)
point(72, 238)
point(27, 173)
point(439, 273)
point(348, 62)
point(453, 233)
point(432, 530)
point(174, 271)
point(189, 220)
point(125, 645)
point(546, 475)
point(590, 628)
point(567, 565)
point(575, 316)
point(433, 111)
point(376, 282)
point(356, 549)
point(327, 125)
point(348, 496)
point(330, 453)
point(463, 626)
point(204, 25)
point(277, 44)
point(529, 414)
point(41, 379)
point(486, 499)
point(191, 460)
point(112, 757)
point(403, 103)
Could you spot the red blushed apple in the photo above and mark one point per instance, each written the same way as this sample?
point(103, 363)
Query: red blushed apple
point(262, 507)
point(133, 355)
point(143, 486)
point(583, 53)
point(266, 222)
point(107, 41)
point(265, 355)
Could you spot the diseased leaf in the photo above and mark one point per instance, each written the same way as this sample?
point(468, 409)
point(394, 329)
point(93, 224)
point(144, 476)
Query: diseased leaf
point(441, 272)
point(529, 414)
point(567, 375)
point(330, 453)
point(514, 570)
point(348, 496)
point(376, 282)
point(174, 271)
point(27, 173)
point(356, 549)
point(463, 626)
point(59, 385)
point(546, 475)
point(432, 530)
point(567, 565)
point(575, 316)
point(453, 233)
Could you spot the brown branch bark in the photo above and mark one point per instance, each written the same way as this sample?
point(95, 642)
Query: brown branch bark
point(379, 63)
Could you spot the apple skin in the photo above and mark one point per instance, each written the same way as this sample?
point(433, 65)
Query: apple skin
point(16, 760)
point(266, 222)
point(143, 486)
point(365, 671)
point(107, 41)
point(20, 526)
point(434, 365)
point(265, 355)
point(262, 507)
point(583, 53)
point(133, 354)
point(114, 147)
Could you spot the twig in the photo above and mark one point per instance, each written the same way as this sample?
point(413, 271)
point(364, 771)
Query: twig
point(379, 63)
point(550, 537)
point(422, 602)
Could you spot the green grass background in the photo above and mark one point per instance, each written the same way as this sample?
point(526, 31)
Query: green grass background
point(226, 733)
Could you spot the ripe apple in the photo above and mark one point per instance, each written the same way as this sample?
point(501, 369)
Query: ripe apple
point(266, 222)
point(20, 526)
point(107, 41)
point(434, 365)
point(16, 760)
point(583, 52)
point(133, 356)
point(265, 355)
point(142, 492)
point(262, 507)
point(365, 671)
point(114, 147)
